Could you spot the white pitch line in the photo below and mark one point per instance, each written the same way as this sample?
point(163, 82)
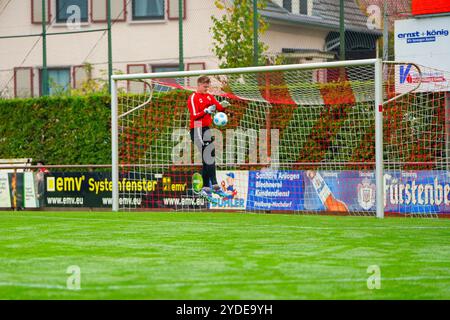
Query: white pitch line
point(151, 223)
point(248, 225)
point(217, 283)
point(268, 282)
point(31, 285)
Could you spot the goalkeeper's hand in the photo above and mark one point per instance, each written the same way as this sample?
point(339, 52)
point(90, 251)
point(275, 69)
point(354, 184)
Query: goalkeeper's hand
point(210, 109)
point(225, 104)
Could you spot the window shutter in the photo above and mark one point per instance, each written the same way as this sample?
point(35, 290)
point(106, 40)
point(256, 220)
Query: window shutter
point(136, 86)
point(173, 7)
point(80, 75)
point(23, 82)
point(36, 11)
point(195, 66)
point(100, 9)
point(118, 10)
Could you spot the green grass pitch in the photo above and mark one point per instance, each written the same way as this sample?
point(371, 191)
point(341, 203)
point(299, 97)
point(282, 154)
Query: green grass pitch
point(221, 256)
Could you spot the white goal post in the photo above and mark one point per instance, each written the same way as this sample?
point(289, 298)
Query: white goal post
point(376, 64)
point(360, 137)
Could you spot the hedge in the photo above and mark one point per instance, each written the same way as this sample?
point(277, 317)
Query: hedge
point(57, 130)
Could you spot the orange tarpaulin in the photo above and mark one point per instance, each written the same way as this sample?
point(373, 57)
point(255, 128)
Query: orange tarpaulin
point(430, 6)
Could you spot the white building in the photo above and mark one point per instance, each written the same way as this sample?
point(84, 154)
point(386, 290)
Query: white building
point(145, 37)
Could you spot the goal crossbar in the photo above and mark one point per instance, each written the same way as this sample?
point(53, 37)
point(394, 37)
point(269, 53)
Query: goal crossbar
point(193, 73)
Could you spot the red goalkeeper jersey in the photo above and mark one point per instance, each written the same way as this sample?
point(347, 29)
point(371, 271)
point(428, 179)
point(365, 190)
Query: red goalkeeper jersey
point(197, 103)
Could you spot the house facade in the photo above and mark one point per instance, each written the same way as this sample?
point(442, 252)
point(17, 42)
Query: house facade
point(145, 38)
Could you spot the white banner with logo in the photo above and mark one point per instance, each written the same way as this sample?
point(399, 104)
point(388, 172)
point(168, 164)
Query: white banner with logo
point(424, 41)
point(235, 184)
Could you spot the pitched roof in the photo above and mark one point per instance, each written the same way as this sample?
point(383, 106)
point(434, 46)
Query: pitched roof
point(325, 15)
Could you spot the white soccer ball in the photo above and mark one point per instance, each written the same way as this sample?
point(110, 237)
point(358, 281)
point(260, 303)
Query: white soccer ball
point(220, 119)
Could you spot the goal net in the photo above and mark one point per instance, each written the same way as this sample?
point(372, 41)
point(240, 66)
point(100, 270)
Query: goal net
point(310, 138)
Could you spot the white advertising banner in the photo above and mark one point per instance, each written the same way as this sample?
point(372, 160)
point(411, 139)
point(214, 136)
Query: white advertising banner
point(5, 195)
point(30, 191)
point(424, 41)
point(235, 184)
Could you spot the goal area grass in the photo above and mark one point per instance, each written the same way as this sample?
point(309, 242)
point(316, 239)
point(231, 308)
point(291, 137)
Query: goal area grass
point(203, 256)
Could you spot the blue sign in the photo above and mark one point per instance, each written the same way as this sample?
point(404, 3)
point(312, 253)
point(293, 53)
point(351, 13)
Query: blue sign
point(339, 191)
point(275, 190)
point(417, 192)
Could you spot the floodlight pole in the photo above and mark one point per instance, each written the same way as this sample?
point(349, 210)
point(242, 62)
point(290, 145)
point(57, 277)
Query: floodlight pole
point(45, 90)
point(180, 36)
point(110, 66)
point(255, 33)
point(342, 31)
point(385, 32)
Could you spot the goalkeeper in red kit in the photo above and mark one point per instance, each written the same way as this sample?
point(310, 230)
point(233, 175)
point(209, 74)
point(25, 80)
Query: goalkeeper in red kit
point(201, 106)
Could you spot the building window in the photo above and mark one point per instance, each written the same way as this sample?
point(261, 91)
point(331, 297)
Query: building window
point(148, 9)
point(23, 82)
point(169, 81)
point(165, 68)
point(58, 80)
point(304, 7)
point(287, 4)
point(99, 10)
point(68, 9)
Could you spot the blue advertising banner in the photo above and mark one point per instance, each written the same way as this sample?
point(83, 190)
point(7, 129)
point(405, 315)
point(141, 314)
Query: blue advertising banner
point(417, 191)
point(275, 190)
point(339, 191)
point(354, 191)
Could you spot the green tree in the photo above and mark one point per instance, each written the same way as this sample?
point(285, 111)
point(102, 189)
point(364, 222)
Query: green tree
point(233, 33)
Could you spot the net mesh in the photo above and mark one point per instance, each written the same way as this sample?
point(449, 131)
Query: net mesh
point(415, 134)
point(296, 141)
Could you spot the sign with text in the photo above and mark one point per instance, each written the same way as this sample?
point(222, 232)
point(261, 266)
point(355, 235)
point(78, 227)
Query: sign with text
point(20, 190)
point(275, 190)
point(136, 190)
point(424, 41)
point(233, 183)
